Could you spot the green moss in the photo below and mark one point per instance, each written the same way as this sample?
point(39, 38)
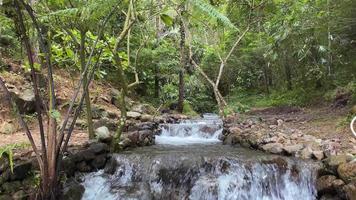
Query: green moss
point(188, 109)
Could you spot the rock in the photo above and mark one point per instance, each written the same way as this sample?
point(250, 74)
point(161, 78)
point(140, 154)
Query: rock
point(281, 163)
point(333, 162)
point(99, 148)
point(133, 115)
point(134, 136)
point(146, 126)
point(319, 155)
point(146, 118)
point(99, 161)
point(84, 155)
point(103, 134)
point(144, 108)
point(273, 126)
point(21, 170)
point(97, 112)
point(7, 128)
point(111, 165)
point(306, 153)
point(327, 184)
point(109, 123)
point(24, 99)
point(235, 130)
point(68, 166)
point(331, 148)
point(83, 167)
point(329, 197)
point(19, 195)
point(347, 171)
point(350, 190)
point(73, 191)
point(231, 139)
point(293, 149)
point(125, 142)
point(280, 122)
point(275, 148)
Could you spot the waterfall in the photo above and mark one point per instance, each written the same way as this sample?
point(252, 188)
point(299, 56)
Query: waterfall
point(188, 163)
point(205, 130)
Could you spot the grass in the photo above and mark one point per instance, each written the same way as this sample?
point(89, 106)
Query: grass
point(242, 101)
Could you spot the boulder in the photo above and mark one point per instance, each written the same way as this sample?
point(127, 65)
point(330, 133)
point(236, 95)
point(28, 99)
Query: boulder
point(334, 161)
point(275, 148)
point(73, 191)
point(103, 134)
point(319, 155)
point(347, 171)
point(329, 197)
point(98, 148)
point(306, 153)
point(125, 142)
point(97, 112)
point(68, 166)
point(144, 108)
point(133, 115)
point(83, 167)
point(350, 190)
point(231, 139)
point(328, 184)
point(99, 161)
point(24, 98)
point(111, 124)
point(7, 128)
point(146, 118)
point(293, 149)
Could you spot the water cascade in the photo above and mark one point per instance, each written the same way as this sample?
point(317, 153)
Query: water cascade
point(188, 162)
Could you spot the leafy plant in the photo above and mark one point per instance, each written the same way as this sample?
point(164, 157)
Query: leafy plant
point(8, 151)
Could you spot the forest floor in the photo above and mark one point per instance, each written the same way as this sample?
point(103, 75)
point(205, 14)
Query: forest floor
point(323, 122)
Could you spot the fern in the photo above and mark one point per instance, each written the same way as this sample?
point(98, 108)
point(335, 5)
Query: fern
point(8, 150)
point(212, 12)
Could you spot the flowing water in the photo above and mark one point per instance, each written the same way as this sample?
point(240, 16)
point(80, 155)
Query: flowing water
point(189, 162)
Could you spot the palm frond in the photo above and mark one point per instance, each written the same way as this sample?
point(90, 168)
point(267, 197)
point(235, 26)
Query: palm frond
point(212, 12)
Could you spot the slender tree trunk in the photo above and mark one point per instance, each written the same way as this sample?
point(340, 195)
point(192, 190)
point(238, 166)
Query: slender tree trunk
point(85, 80)
point(182, 67)
point(265, 72)
point(156, 67)
point(287, 71)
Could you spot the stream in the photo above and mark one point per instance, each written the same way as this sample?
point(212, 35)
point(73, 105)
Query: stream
point(189, 162)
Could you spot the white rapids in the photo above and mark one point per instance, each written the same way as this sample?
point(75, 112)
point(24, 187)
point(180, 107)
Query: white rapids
point(205, 130)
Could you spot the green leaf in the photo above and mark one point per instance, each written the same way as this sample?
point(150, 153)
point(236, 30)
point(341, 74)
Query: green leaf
point(55, 114)
point(167, 20)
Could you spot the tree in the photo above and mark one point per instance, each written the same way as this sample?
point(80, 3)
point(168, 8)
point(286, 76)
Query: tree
point(55, 144)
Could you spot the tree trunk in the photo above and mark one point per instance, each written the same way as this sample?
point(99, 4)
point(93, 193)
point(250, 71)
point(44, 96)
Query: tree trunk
point(287, 71)
point(183, 65)
point(85, 80)
point(265, 72)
